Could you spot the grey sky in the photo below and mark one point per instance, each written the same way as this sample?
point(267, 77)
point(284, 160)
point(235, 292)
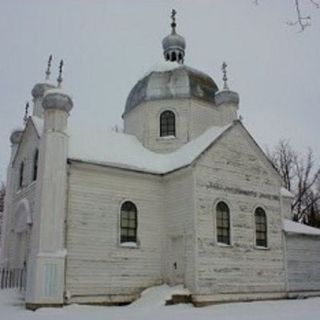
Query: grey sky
point(108, 45)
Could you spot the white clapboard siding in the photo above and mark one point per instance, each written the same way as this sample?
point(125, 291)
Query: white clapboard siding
point(303, 262)
point(179, 190)
point(96, 263)
point(234, 171)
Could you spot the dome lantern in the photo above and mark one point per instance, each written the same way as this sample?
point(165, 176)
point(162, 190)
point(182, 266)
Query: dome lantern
point(174, 45)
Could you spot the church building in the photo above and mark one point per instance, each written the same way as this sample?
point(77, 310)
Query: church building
point(183, 196)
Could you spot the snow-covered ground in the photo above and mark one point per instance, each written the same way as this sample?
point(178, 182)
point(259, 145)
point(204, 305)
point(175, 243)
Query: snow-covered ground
point(151, 306)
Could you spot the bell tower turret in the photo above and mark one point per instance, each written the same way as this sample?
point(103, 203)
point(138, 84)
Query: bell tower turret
point(174, 45)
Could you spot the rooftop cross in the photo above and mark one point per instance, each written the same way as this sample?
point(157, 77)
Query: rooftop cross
point(173, 17)
point(48, 71)
point(225, 78)
point(59, 80)
point(26, 112)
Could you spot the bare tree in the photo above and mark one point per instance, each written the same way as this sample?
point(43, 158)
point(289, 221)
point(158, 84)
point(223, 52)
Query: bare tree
point(302, 20)
point(301, 176)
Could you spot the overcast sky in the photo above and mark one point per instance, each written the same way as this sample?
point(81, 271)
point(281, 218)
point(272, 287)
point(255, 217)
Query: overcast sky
point(108, 45)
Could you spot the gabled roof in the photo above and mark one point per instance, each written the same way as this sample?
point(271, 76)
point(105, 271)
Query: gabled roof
point(289, 226)
point(37, 124)
point(125, 151)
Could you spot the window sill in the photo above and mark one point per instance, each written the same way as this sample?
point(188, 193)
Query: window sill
point(261, 248)
point(224, 245)
point(130, 245)
point(167, 138)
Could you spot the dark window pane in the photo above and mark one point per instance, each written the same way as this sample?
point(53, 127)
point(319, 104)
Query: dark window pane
point(128, 222)
point(35, 165)
point(167, 124)
point(223, 223)
point(261, 227)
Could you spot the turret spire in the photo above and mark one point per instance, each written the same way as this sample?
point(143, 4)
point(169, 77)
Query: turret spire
point(60, 79)
point(174, 45)
point(225, 78)
point(48, 71)
point(173, 23)
point(26, 113)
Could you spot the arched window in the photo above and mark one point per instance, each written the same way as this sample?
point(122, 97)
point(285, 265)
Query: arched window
point(173, 56)
point(223, 223)
point(21, 170)
point(167, 124)
point(128, 222)
point(35, 165)
point(261, 227)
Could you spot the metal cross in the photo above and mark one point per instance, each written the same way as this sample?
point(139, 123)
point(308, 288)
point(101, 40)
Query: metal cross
point(48, 71)
point(173, 17)
point(59, 80)
point(26, 112)
point(225, 78)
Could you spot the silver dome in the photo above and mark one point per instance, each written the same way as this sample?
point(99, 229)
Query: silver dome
point(173, 41)
point(178, 83)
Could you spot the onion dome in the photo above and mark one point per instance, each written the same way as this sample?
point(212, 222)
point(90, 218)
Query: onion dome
point(57, 99)
point(172, 80)
point(174, 45)
point(40, 88)
point(16, 136)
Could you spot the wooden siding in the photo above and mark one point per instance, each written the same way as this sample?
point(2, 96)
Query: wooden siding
point(96, 262)
point(234, 171)
point(180, 222)
point(303, 262)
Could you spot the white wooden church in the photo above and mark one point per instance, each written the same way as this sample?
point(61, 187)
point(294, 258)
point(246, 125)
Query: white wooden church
point(184, 196)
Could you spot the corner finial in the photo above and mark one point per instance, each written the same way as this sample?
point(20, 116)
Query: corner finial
point(173, 23)
point(26, 113)
point(59, 79)
point(48, 71)
point(225, 78)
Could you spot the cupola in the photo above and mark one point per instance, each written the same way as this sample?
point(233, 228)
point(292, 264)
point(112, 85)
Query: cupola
point(174, 45)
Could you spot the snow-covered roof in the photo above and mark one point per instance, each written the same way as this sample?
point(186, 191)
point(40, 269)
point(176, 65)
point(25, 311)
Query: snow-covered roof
point(296, 227)
point(125, 151)
point(286, 193)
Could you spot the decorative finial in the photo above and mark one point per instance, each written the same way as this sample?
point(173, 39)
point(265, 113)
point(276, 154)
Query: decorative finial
point(60, 74)
point(26, 113)
point(173, 23)
point(48, 71)
point(225, 78)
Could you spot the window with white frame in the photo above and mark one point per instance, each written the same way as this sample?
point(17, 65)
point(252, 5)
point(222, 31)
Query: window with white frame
point(128, 222)
point(167, 124)
point(261, 227)
point(223, 223)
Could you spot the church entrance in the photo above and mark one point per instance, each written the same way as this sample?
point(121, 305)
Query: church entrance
point(176, 260)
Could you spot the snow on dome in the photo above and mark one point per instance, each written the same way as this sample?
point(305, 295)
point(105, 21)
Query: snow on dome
point(296, 227)
point(125, 151)
point(286, 193)
point(57, 90)
point(163, 67)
